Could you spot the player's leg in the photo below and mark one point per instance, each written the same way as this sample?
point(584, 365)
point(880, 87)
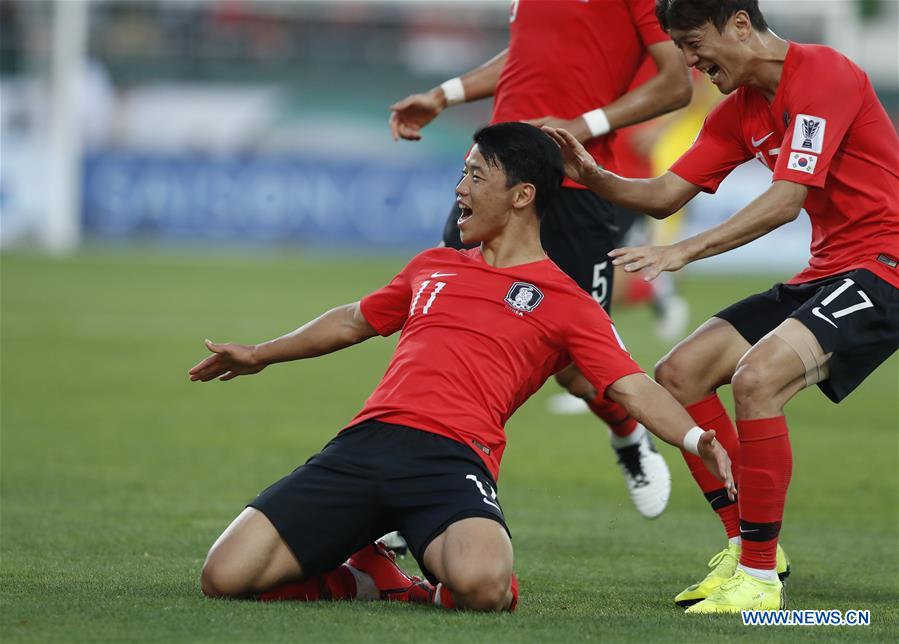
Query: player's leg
point(249, 557)
point(447, 506)
point(808, 348)
point(578, 234)
point(692, 372)
point(294, 539)
point(472, 558)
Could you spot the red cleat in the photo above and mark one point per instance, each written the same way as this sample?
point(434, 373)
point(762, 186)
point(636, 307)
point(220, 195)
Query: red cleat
point(392, 582)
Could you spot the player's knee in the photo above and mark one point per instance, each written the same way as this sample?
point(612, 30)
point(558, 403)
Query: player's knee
point(482, 589)
point(489, 594)
point(752, 384)
point(217, 579)
point(675, 373)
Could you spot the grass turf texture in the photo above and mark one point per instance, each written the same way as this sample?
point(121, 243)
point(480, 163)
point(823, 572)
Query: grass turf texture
point(118, 473)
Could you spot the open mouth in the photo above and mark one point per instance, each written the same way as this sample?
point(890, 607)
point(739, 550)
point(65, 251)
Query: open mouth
point(465, 216)
point(713, 72)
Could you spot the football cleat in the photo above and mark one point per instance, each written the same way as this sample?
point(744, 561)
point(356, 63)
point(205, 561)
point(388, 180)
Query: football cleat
point(396, 542)
point(391, 581)
point(742, 592)
point(723, 566)
point(646, 476)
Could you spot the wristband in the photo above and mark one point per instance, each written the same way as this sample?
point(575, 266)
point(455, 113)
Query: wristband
point(691, 440)
point(597, 122)
point(453, 90)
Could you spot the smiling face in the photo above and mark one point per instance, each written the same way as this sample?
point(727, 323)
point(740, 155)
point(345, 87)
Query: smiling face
point(722, 55)
point(484, 199)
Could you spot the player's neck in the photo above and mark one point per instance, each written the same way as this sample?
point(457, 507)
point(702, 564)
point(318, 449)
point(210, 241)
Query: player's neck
point(767, 62)
point(515, 245)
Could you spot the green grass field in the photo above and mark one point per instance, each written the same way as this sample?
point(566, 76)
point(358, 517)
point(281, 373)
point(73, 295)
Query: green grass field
point(118, 473)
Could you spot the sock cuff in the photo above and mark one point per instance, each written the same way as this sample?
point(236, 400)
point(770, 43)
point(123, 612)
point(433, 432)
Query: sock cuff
point(706, 410)
point(759, 429)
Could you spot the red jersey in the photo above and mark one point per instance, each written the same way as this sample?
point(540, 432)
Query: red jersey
point(567, 57)
point(478, 341)
point(824, 129)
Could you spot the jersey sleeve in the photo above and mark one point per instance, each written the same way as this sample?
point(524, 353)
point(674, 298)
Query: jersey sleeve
point(644, 14)
point(822, 110)
point(387, 308)
point(717, 150)
point(596, 348)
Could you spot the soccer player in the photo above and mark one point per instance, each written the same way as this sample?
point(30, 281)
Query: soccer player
point(811, 115)
point(570, 64)
point(482, 330)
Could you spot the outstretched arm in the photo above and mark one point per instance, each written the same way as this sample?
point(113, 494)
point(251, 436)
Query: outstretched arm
point(652, 406)
point(657, 197)
point(668, 90)
point(339, 328)
point(775, 207)
point(409, 115)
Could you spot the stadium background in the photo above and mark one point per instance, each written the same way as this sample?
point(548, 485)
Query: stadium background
point(181, 169)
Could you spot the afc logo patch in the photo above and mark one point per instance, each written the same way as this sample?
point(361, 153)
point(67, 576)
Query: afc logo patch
point(524, 297)
point(808, 133)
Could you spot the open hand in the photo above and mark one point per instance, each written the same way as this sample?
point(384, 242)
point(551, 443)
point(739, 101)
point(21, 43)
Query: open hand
point(580, 165)
point(654, 259)
point(409, 115)
point(227, 361)
point(717, 461)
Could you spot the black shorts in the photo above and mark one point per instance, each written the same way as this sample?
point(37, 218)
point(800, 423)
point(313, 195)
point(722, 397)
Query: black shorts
point(577, 233)
point(853, 315)
point(371, 479)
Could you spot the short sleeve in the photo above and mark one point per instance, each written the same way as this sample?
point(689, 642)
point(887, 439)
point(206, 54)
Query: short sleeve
point(717, 150)
point(387, 308)
point(821, 113)
point(596, 348)
point(644, 15)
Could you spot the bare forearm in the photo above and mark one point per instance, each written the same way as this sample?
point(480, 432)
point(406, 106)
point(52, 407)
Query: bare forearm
point(653, 407)
point(337, 329)
point(771, 210)
point(481, 82)
point(659, 95)
point(653, 197)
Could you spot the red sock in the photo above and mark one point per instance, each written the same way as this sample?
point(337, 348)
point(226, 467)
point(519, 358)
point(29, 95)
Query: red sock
point(638, 290)
point(709, 413)
point(614, 415)
point(336, 585)
point(766, 464)
point(443, 598)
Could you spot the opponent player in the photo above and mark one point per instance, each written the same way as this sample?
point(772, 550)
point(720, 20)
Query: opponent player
point(569, 64)
point(830, 325)
point(481, 331)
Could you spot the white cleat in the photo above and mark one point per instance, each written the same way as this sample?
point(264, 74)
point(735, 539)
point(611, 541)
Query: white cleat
point(564, 404)
point(395, 541)
point(646, 475)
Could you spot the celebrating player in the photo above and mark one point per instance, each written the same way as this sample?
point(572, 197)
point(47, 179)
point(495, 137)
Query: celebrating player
point(569, 64)
point(482, 330)
point(811, 115)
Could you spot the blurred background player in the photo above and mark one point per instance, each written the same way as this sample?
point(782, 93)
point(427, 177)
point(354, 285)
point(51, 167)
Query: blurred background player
point(832, 324)
point(569, 64)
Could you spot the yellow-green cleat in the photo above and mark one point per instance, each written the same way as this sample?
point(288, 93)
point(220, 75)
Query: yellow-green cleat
point(742, 592)
point(723, 566)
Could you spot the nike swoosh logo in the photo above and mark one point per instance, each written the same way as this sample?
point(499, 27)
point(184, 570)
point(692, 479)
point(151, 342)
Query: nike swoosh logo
point(756, 144)
point(817, 312)
point(441, 274)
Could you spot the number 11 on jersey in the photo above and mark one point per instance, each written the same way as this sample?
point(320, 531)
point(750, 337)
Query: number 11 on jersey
point(438, 286)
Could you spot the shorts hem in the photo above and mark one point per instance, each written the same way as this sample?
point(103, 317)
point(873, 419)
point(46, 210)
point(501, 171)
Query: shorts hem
point(464, 514)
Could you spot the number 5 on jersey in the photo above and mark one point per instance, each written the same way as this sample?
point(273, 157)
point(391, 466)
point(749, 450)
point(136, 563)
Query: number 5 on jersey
point(438, 286)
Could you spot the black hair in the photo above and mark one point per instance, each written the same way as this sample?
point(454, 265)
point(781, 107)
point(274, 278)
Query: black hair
point(690, 14)
point(527, 155)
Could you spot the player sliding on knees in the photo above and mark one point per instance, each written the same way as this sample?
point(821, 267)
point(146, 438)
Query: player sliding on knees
point(481, 330)
point(830, 325)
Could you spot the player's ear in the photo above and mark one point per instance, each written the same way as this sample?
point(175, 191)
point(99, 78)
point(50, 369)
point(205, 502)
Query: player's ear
point(742, 25)
point(523, 195)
